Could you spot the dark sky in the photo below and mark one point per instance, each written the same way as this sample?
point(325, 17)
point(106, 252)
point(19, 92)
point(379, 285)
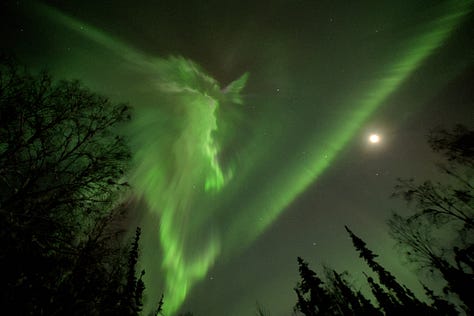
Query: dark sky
point(323, 76)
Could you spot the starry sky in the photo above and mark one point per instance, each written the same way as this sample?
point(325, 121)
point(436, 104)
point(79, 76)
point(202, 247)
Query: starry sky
point(251, 126)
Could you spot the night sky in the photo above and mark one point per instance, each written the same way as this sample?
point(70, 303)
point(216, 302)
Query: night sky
point(251, 127)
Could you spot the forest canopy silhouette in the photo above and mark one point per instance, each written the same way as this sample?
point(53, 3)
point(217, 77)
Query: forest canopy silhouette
point(61, 168)
point(437, 237)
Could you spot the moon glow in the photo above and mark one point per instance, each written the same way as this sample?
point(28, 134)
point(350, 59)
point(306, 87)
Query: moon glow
point(374, 138)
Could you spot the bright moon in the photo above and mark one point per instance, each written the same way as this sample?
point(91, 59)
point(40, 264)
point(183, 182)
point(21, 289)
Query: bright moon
point(374, 138)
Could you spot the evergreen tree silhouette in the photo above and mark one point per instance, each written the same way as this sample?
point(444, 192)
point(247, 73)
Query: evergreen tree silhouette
point(441, 306)
point(348, 301)
point(159, 308)
point(313, 298)
point(133, 291)
point(458, 282)
point(387, 301)
point(403, 295)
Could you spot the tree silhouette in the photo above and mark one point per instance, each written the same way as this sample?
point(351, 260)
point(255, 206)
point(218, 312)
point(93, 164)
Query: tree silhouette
point(348, 301)
point(441, 210)
point(133, 290)
point(159, 307)
point(404, 298)
point(61, 168)
point(313, 298)
point(335, 296)
point(439, 235)
point(442, 306)
point(387, 301)
point(456, 145)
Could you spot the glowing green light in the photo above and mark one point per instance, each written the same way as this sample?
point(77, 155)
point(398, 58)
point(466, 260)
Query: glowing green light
point(174, 168)
point(177, 172)
point(293, 181)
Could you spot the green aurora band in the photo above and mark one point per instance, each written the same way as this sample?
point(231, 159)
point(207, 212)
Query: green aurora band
point(293, 181)
point(177, 173)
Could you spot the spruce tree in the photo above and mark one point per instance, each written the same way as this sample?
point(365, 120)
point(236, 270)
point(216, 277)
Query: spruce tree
point(441, 306)
point(313, 298)
point(403, 295)
point(349, 301)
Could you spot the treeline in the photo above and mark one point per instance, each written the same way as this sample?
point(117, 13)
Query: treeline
point(63, 250)
point(436, 238)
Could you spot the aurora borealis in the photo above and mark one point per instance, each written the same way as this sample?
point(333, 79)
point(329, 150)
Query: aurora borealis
point(247, 126)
